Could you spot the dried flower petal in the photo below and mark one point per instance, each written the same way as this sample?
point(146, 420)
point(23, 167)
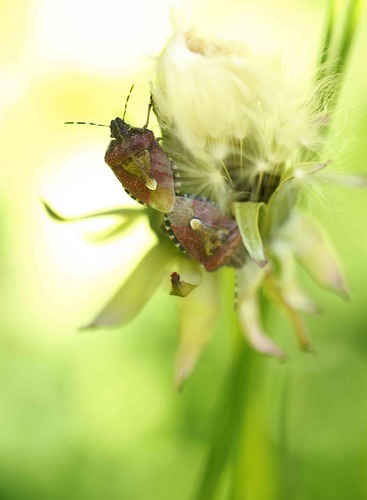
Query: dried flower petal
point(180, 288)
point(187, 278)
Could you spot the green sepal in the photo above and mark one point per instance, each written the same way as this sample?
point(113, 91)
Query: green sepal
point(137, 289)
point(198, 315)
point(299, 170)
point(247, 217)
point(275, 295)
point(312, 251)
point(250, 281)
point(280, 206)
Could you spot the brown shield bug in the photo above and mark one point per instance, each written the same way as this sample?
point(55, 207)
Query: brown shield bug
point(199, 228)
point(140, 164)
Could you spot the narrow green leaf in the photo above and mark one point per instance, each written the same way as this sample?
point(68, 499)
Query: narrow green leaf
point(137, 290)
point(123, 212)
point(351, 19)
point(329, 29)
point(110, 233)
point(247, 218)
point(340, 31)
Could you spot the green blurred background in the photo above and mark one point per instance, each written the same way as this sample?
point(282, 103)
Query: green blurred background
point(95, 415)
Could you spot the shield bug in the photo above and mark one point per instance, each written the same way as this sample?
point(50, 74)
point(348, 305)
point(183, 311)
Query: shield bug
point(199, 228)
point(140, 164)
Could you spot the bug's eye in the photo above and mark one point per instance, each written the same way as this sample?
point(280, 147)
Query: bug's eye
point(119, 128)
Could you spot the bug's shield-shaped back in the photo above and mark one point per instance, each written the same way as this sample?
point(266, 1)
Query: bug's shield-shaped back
point(141, 166)
point(206, 234)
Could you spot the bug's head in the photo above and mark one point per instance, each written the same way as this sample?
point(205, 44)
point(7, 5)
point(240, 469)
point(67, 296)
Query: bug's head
point(119, 128)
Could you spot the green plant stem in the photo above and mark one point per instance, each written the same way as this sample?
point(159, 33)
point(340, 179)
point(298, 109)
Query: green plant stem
point(350, 22)
point(288, 472)
point(325, 47)
point(227, 421)
point(230, 412)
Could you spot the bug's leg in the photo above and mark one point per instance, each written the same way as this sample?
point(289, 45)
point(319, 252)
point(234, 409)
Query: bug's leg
point(149, 109)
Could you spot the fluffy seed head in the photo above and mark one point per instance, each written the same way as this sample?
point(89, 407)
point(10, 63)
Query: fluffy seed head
point(232, 122)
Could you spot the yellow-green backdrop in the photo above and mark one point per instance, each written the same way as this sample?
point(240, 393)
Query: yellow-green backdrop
point(89, 415)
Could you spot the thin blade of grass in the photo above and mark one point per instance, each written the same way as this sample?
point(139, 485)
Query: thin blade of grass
point(340, 30)
point(348, 31)
point(325, 46)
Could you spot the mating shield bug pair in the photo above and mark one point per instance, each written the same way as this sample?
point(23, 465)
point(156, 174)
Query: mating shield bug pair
point(145, 172)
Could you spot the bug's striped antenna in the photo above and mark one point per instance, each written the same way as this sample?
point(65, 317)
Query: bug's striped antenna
point(127, 100)
point(150, 106)
point(86, 123)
